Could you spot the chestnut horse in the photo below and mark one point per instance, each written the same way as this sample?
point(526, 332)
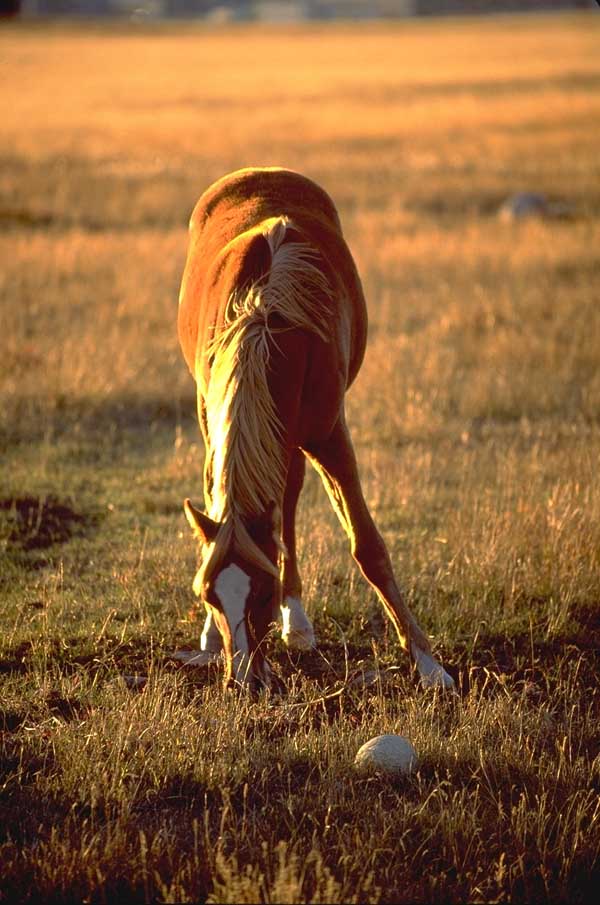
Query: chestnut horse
point(273, 325)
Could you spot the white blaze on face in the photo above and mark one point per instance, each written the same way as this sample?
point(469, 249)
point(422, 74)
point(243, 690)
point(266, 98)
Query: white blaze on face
point(433, 674)
point(232, 588)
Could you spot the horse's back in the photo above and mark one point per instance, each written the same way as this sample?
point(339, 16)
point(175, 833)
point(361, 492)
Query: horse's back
point(242, 199)
point(227, 248)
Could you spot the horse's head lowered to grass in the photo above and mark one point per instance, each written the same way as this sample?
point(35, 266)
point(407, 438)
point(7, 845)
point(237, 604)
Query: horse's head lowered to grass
point(238, 582)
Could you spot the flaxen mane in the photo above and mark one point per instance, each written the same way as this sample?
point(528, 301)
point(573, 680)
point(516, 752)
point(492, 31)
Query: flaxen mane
point(245, 459)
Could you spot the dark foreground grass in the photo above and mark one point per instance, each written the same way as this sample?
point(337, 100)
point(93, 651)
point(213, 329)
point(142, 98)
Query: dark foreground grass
point(178, 793)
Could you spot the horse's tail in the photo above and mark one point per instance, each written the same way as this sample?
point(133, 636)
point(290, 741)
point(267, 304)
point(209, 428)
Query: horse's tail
point(280, 274)
point(296, 286)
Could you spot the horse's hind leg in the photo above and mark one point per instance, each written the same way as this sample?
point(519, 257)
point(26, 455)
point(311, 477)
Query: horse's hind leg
point(336, 463)
point(297, 630)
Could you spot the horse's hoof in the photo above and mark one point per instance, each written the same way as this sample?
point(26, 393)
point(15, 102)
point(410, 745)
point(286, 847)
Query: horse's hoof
point(300, 640)
point(195, 657)
point(297, 631)
point(432, 673)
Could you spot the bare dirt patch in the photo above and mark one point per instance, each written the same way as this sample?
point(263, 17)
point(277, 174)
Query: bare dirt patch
point(36, 523)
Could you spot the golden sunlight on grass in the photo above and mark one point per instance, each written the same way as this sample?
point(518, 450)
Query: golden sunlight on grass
point(476, 424)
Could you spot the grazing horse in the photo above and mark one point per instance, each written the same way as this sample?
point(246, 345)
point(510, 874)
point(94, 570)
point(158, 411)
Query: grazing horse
point(272, 324)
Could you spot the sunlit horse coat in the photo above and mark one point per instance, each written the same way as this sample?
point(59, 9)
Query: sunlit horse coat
point(272, 324)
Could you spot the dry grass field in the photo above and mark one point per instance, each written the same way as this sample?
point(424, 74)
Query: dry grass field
point(477, 425)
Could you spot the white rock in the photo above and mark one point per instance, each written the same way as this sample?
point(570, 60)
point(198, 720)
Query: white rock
point(391, 753)
point(524, 205)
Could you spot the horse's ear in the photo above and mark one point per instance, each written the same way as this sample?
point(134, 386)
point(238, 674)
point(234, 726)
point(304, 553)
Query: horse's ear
point(203, 527)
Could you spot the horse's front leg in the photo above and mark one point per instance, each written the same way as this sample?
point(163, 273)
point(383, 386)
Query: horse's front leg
point(336, 463)
point(297, 630)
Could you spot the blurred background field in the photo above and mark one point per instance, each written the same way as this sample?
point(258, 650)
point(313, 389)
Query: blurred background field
point(476, 419)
